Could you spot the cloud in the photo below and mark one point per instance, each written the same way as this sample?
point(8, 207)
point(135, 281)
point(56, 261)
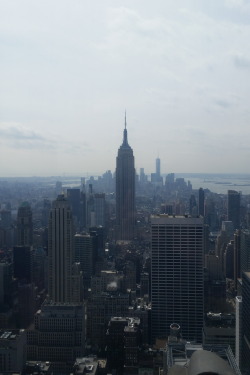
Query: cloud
point(16, 135)
point(16, 131)
point(222, 103)
point(241, 62)
point(239, 4)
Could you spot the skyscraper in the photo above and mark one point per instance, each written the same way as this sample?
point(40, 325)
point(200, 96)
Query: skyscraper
point(158, 167)
point(177, 275)
point(60, 250)
point(85, 254)
point(233, 208)
point(201, 202)
point(125, 190)
point(245, 336)
point(24, 225)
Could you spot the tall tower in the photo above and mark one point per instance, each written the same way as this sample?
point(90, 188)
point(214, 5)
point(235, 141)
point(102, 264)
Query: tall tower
point(60, 251)
point(177, 275)
point(201, 201)
point(233, 208)
point(125, 190)
point(24, 225)
point(158, 167)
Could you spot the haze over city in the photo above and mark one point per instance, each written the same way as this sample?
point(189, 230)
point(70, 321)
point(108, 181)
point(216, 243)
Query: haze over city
point(69, 70)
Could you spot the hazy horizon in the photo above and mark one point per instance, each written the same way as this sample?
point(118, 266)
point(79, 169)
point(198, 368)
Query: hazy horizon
point(69, 70)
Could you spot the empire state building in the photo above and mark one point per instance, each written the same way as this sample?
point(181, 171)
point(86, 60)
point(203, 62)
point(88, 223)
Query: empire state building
point(125, 190)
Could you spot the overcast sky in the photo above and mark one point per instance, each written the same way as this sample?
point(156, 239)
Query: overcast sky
point(70, 68)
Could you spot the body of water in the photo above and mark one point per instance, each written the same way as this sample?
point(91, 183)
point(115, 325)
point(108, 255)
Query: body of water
point(218, 183)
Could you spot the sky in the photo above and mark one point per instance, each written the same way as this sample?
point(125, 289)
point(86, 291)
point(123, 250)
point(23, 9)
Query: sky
point(70, 68)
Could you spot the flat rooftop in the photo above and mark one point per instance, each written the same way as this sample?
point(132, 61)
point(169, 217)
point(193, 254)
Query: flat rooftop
point(9, 334)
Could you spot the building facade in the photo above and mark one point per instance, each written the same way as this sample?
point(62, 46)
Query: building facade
point(177, 275)
point(13, 350)
point(24, 225)
point(60, 251)
point(58, 335)
point(245, 359)
point(233, 208)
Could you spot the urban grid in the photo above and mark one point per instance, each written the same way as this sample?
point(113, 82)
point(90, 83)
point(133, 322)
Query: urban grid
point(124, 273)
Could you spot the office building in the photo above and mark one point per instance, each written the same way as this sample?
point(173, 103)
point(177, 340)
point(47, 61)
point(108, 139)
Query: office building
point(244, 250)
point(61, 253)
point(125, 191)
point(229, 260)
point(237, 256)
point(13, 350)
point(233, 208)
point(177, 275)
point(225, 235)
point(245, 359)
point(100, 214)
point(24, 225)
point(58, 335)
point(101, 308)
point(96, 213)
point(219, 328)
point(59, 332)
point(85, 254)
point(27, 300)
point(156, 178)
point(8, 295)
point(22, 262)
point(74, 196)
point(122, 340)
point(143, 177)
point(238, 330)
point(201, 202)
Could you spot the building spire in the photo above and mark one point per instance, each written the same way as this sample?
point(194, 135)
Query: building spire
point(125, 133)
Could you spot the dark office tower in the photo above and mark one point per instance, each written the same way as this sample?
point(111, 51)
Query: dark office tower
point(22, 262)
point(24, 225)
point(85, 254)
point(245, 322)
point(26, 304)
point(45, 212)
point(233, 208)
point(177, 275)
point(60, 250)
point(244, 251)
point(125, 191)
point(201, 202)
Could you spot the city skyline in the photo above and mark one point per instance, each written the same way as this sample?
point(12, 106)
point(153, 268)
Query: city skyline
point(68, 71)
